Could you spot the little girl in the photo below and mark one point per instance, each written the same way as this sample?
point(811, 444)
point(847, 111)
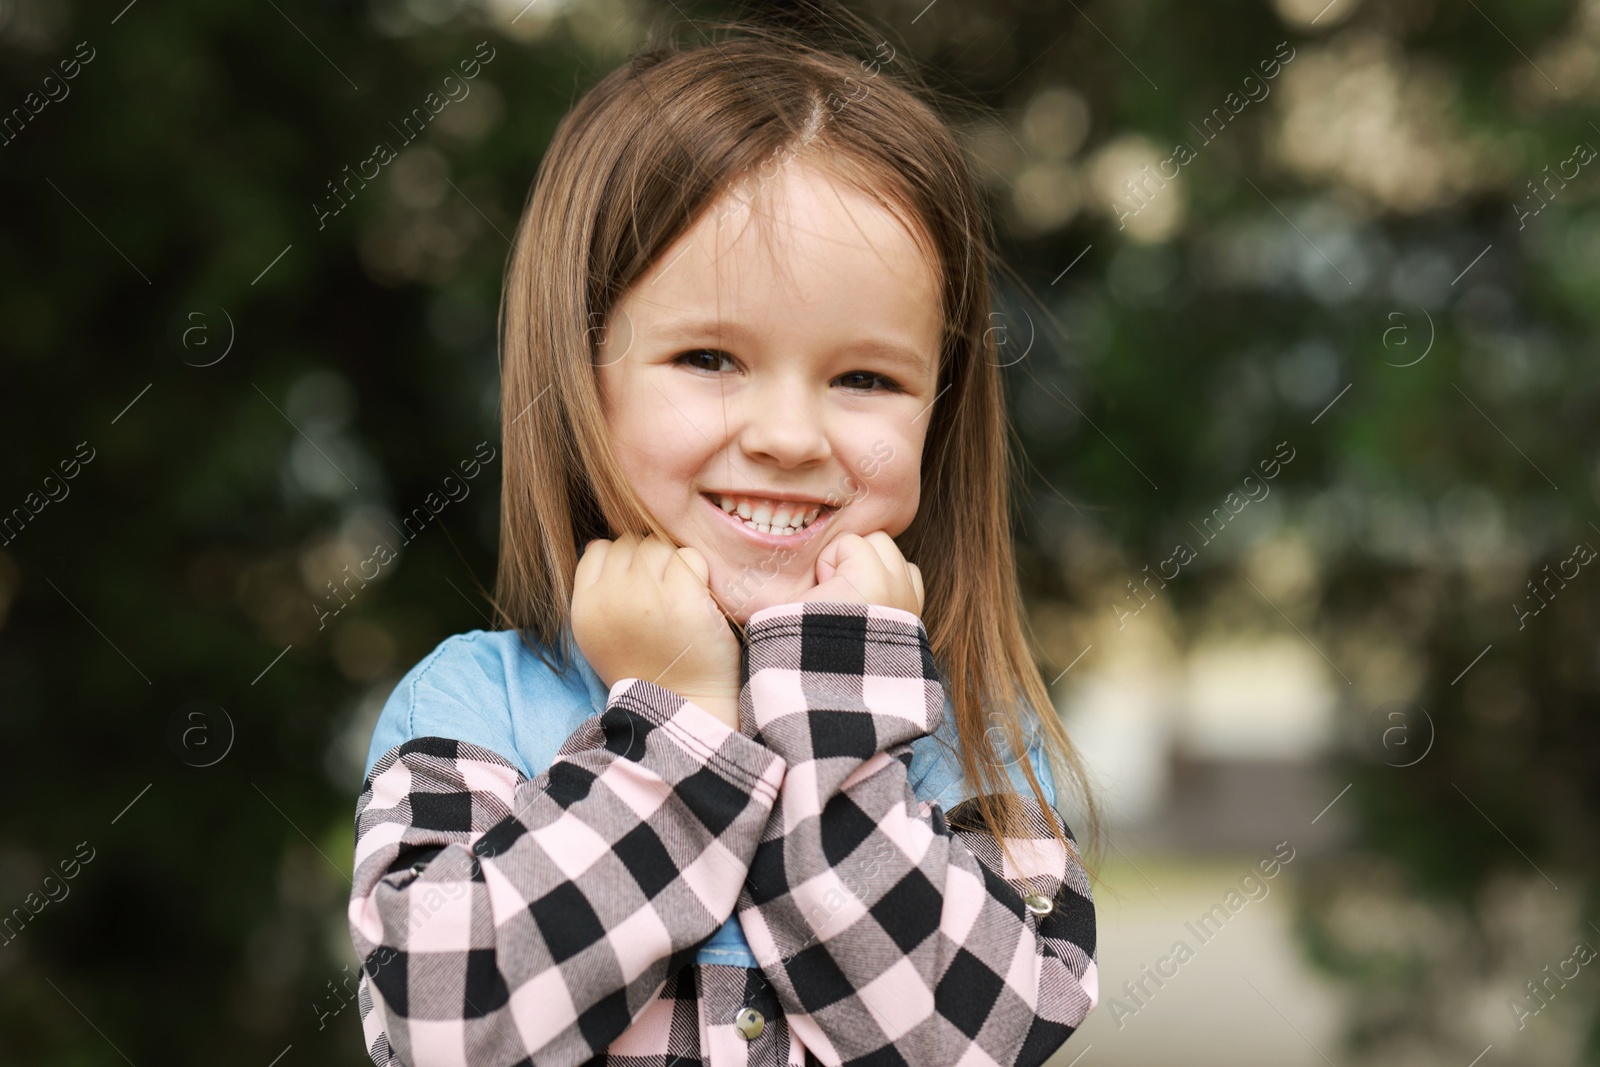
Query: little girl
point(721, 795)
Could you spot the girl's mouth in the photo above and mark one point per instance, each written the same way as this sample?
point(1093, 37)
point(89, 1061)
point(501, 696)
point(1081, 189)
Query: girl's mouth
point(772, 524)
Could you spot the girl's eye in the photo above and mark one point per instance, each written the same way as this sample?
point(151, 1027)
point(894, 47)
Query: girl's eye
point(696, 357)
point(856, 375)
point(717, 362)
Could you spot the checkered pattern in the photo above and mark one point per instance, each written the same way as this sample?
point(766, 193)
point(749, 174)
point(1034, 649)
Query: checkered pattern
point(556, 921)
point(889, 937)
point(549, 913)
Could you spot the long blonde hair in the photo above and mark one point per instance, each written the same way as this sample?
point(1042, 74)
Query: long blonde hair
point(637, 160)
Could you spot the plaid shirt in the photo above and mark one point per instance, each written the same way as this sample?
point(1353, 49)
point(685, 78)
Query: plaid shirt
point(503, 920)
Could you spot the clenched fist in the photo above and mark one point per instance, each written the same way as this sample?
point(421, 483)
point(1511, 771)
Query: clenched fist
point(642, 609)
point(867, 570)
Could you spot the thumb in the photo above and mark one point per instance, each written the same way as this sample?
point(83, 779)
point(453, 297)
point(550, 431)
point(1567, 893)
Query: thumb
point(832, 557)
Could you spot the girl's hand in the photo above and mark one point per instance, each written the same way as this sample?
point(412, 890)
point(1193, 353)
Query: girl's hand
point(641, 609)
point(867, 570)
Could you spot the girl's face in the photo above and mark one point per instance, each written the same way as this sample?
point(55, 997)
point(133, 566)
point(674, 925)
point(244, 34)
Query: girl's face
point(791, 379)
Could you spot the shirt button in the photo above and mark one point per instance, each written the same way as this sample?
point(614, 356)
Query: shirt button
point(1039, 904)
point(419, 866)
point(749, 1021)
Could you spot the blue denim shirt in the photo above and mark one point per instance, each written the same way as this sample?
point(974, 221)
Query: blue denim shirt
point(487, 688)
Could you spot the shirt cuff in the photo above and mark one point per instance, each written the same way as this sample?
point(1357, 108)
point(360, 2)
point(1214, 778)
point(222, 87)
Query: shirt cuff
point(740, 759)
point(836, 678)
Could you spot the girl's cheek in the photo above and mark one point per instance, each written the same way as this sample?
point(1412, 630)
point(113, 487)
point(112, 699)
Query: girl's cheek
point(905, 511)
point(884, 494)
point(899, 477)
point(677, 421)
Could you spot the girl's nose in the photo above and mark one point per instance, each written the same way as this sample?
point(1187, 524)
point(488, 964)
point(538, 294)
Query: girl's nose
point(784, 427)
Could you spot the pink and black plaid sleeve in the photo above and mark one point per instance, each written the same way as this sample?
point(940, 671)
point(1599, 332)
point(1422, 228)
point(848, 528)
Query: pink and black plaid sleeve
point(889, 937)
point(502, 920)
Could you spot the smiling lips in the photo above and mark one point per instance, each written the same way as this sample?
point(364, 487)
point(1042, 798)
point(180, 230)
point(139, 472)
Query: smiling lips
point(777, 518)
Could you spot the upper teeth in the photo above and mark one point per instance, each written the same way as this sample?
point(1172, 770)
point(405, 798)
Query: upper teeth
point(782, 517)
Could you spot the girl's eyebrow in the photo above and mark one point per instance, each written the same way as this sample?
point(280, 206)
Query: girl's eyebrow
point(888, 349)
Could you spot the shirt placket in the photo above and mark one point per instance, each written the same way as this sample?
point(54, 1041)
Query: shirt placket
point(741, 1018)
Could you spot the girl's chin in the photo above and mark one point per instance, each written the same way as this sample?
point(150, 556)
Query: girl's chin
point(746, 591)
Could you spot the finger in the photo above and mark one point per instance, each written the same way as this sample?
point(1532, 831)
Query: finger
point(835, 554)
point(847, 546)
point(897, 570)
point(884, 557)
point(653, 556)
point(681, 572)
point(591, 564)
point(905, 573)
point(697, 563)
point(688, 571)
point(887, 550)
point(620, 558)
point(916, 583)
